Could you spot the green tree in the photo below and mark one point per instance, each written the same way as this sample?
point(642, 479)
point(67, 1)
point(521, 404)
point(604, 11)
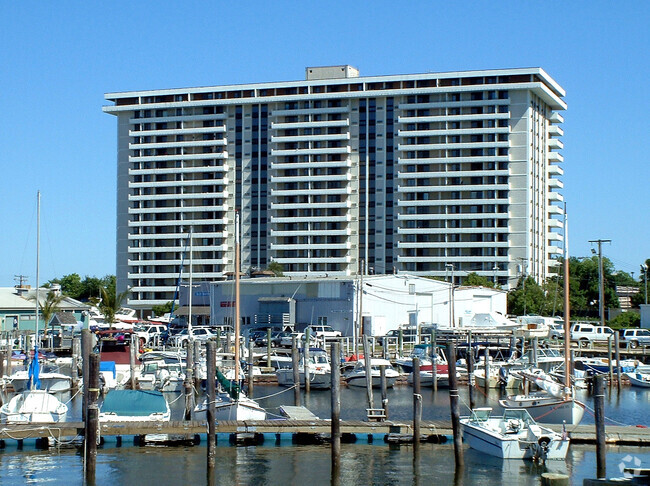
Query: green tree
point(626, 319)
point(159, 310)
point(276, 268)
point(49, 307)
point(111, 303)
point(475, 280)
point(527, 298)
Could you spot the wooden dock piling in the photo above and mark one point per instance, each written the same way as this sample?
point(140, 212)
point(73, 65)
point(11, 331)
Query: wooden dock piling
point(617, 347)
point(368, 364)
point(417, 404)
point(296, 371)
point(189, 377)
point(453, 402)
point(92, 419)
point(384, 390)
point(335, 430)
point(470, 370)
point(211, 362)
point(599, 412)
point(197, 366)
point(249, 362)
point(305, 366)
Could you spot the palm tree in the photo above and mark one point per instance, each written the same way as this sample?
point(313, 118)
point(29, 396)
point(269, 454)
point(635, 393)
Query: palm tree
point(111, 303)
point(49, 307)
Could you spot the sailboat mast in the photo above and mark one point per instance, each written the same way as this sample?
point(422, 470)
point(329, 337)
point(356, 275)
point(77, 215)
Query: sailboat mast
point(38, 254)
point(567, 309)
point(237, 318)
point(189, 305)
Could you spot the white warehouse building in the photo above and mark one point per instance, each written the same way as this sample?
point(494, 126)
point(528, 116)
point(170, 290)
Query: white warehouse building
point(387, 302)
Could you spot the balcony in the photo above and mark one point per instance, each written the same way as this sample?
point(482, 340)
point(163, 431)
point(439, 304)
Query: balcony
point(311, 151)
point(555, 184)
point(556, 118)
point(555, 131)
point(554, 157)
point(555, 144)
point(555, 170)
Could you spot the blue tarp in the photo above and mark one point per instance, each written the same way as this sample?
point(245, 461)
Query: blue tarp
point(34, 370)
point(108, 366)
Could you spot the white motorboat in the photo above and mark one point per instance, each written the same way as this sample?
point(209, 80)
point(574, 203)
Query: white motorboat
point(229, 408)
point(50, 381)
point(639, 379)
point(554, 405)
point(162, 371)
point(357, 377)
point(515, 435)
point(420, 351)
point(33, 407)
point(319, 371)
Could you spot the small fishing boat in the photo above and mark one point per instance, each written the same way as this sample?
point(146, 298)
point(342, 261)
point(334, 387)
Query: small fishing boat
point(357, 377)
point(515, 435)
point(641, 380)
point(319, 371)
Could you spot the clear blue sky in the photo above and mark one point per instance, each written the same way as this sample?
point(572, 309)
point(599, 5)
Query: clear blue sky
point(57, 59)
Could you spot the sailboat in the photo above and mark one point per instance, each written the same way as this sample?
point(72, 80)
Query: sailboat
point(558, 405)
point(231, 402)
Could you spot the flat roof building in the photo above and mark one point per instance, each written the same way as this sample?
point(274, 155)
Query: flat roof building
point(436, 174)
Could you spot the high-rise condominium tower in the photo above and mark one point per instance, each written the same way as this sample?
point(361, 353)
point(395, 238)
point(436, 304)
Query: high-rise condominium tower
point(439, 174)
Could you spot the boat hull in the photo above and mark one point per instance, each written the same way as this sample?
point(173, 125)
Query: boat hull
point(505, 447)
point(317, 380)
point(360, 381)
point(638, 379)
point(547, 411)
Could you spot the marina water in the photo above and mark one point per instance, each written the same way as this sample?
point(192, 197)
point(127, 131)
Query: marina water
point(361, 463)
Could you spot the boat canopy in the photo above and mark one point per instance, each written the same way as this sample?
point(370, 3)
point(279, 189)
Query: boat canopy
point(134, 403)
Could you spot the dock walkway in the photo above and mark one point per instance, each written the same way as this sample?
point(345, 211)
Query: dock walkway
point(434, 431)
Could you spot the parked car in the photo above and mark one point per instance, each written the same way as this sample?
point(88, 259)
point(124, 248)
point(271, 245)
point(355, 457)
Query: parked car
point(287, 341)
point(276, 338)
point(634, 337)
point(198, 333)
point(149, 333)
point(588, 333)
point(323, 331)
point(408, 336)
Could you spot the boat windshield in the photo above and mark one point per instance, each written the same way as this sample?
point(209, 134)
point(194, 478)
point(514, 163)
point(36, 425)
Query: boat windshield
point(481, 414)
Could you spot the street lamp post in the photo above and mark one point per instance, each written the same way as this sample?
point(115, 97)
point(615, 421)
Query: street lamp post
point(644, 269)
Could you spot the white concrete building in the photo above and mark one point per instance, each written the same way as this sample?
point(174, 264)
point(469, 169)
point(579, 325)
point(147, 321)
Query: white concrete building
point(436, 174)
point(387, 302)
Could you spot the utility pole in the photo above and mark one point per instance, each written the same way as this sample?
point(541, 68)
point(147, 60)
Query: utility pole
point(601, 280)
point(21, 279)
